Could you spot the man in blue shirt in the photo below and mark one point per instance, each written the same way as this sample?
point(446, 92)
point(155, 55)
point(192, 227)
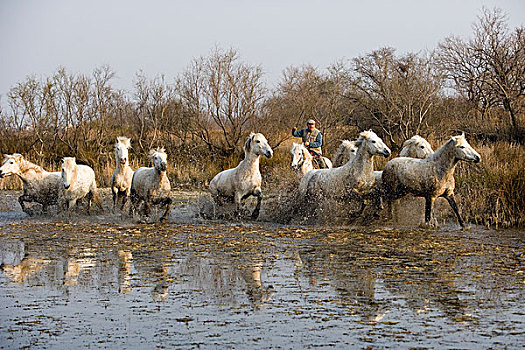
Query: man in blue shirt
point(312, 140)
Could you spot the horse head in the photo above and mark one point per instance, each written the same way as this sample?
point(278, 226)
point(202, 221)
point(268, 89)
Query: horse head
point(299, 155)
point(159, 159)
point(121, 149)
point(416, 147)
point(463, 150)
point(258, 145)
point(69, 165)
point(373, 144)
point(350, 148)
point(11, 165)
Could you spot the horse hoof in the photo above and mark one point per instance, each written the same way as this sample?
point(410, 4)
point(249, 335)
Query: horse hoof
point(428, 225)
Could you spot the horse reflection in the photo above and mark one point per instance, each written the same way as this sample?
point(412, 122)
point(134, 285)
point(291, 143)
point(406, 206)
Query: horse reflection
point(154, 270)
point(354, 282)
point(65, 270)
point(227, 277)
point(17, 265)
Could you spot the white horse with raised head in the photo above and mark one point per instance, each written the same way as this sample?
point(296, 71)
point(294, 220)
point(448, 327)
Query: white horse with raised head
point(121, 178)
point(151, 186)
point(355, 178)
point(430, 177)
point(78, 182)
point(39, 185)
point(302, 160)
point(346, 151)
point(245, 179)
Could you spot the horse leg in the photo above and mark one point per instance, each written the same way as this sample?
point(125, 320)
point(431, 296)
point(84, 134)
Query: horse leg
point(124, 200)
point(89, 198)
point(167, 202)
point(237, 199)
point(429, 201)
point(24, 198)
point(115, 198)
point(133, 203)
point(71, 205)
point(146, 207)
point(257, 193)
point(452, 201)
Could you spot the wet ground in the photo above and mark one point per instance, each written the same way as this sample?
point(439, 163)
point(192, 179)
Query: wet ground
point(103, 282)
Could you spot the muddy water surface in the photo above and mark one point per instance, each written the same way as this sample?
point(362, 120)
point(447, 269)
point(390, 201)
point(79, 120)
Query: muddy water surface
point(101, 283)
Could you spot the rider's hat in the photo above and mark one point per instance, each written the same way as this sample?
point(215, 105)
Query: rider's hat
point(310, 121)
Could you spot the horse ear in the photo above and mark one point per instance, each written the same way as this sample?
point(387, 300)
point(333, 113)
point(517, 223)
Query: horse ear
point(248, 144)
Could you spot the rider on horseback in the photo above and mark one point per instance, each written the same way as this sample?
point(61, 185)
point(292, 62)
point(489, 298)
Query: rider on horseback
point(312, 140)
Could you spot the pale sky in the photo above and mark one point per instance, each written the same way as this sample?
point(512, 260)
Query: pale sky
point(162, 37)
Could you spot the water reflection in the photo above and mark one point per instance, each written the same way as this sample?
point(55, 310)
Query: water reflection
point(385, 279)
point(227, 278)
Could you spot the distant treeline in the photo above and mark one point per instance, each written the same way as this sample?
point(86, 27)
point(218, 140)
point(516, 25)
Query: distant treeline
point(474, 85)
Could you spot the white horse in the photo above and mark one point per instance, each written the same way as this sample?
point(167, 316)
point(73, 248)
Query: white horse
point(430, 178)
point(121, 179)
point(302, 160)
point(346, 151)
point(243, 181)
point(356, 177)
point(414, 147)
point(39, 185)
point(151, 185)
point(78, 182)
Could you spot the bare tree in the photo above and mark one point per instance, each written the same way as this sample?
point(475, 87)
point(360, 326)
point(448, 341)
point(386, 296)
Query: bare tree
point(398, 93)
point(224, 98)
point(489, 68)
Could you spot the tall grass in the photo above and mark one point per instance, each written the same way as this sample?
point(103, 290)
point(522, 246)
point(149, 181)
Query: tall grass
point(492, 193)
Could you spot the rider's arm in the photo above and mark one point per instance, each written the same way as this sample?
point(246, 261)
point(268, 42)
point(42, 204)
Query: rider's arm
point(318, 141)
point(297, 133)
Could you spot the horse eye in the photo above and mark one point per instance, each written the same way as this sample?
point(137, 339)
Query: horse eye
point(422, 147)
point(258, 141)
point(461, 147)
point(373, 141)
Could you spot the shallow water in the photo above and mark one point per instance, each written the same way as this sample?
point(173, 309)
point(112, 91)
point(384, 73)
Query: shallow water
point(251, 285)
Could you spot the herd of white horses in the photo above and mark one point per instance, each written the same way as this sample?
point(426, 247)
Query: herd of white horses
point(418, 171)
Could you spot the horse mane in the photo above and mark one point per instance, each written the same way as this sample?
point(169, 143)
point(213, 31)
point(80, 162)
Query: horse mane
point(26, 165)
point(124, 140)
point(69, 159)
point(248, 144)
point(410, 141)
point(152, 152)
point(446, 146)
point(364, 135)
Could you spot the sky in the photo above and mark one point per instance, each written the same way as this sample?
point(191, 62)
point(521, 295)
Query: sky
point(161, 37)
